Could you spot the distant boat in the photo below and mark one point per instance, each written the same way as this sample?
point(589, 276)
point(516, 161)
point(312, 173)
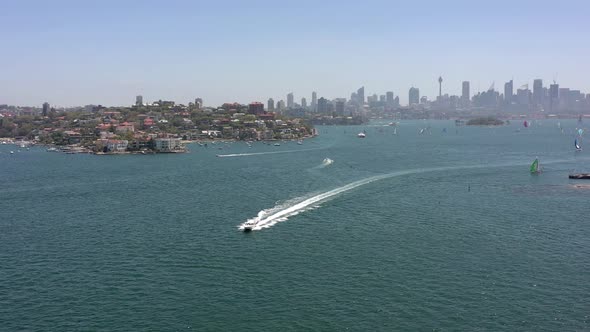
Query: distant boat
point(535, 166)
point(580, 131)
point(580, 176)
point(299, 142)
point(52, 149)
point(11, 152)
point(361, 135)
point(525, 124)
point(249, 226)
point(395, 131)
point(577, 145)
point(277, 144)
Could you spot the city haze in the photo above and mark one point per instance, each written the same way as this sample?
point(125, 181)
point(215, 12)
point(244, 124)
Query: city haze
point(73, 53)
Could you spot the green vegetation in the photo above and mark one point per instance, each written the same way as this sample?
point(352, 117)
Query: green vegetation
point(485, 121)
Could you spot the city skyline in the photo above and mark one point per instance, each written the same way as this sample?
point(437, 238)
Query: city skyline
point(184, 53)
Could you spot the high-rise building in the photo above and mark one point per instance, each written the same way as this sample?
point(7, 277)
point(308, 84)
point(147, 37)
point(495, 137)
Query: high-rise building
point(138, 100)
point(198, 103)
point(508, 92)
point(270, 105)
point(303, 103)
point(360, 95)
point(314, 101)
point(281, 105)
point(290, 101)
point(340, 106)
point(465, 94)
point(256, 108)
point(414, 96)
point(538, 92)
point(389, 98)
point(382, 98)
point(523, 95)
point(440, 80)
point(323, 105)
point(46, 108)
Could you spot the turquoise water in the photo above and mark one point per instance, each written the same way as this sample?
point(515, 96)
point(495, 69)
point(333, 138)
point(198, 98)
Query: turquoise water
point(439, 231)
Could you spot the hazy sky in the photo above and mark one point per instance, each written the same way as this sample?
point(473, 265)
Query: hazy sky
point(105, 52)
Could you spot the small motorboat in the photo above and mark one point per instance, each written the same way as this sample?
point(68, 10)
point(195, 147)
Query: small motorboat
point(249, 226)
point(361, 135)
point(277, 144)
point(580, 176)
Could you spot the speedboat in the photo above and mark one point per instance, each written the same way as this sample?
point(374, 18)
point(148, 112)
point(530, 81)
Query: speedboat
point(277, 144)
point(299, 142)
point(580, 176)
point(361, 135)
point(52, 149)
point(249, 226)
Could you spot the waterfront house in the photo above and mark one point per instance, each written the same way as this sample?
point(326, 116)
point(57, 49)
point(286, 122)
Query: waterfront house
point(125, 127)
point(114, 145)
point(168, 145)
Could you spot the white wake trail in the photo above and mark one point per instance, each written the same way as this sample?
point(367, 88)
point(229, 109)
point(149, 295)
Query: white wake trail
point(270, 217)
point(262, 153)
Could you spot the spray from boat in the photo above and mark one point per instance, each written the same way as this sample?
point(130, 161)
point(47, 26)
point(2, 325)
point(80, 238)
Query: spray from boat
point(269, 217)
point(262, 153)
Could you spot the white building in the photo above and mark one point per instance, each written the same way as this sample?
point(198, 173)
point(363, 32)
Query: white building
point(168, 144)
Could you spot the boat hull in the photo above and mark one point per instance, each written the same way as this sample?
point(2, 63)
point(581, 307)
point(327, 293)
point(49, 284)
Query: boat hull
point(581, 176)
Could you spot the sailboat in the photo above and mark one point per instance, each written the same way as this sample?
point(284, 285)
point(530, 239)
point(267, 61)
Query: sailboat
point(578, 147)
point(535, 167)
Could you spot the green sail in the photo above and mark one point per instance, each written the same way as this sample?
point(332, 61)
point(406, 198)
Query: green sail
point(535, 166)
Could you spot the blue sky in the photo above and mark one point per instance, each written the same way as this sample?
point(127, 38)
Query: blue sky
point(106, 52)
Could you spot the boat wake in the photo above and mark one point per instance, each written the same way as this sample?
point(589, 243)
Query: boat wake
point(262, 153)
point(281, 212)
point(327, 162)
point(270, 217)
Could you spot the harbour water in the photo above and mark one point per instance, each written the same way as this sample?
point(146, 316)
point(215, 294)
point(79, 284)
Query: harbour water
point(444, 230)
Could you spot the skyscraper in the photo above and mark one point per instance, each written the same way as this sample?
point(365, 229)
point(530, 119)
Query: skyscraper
point(553, 96)
point(323, 105)
point(440, 80)
point(270, 105)
point(303, 103)
point(314, 101)
point(138, 100)
point(508, 92)
point(389, 98)
point(198, 103)
point(340, 106)
point(290, 102)
point(414, 96)
point(45, 108)
point(465, 94)
point(360, 95)
point(538, 92)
